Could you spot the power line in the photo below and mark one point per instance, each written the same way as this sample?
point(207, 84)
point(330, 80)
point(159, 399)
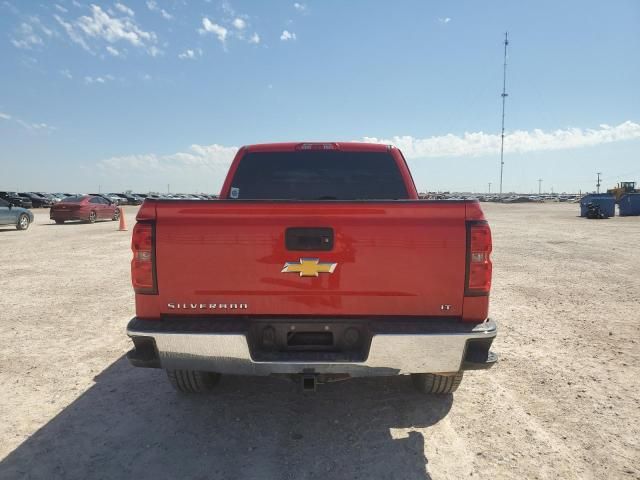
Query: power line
point(504, 97)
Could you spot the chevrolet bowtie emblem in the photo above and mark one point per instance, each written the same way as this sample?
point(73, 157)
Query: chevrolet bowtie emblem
point(309, 267)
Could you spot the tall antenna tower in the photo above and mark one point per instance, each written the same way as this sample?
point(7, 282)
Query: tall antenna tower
point(504, 98)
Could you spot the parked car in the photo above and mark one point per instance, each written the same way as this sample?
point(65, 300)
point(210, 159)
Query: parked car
point(122, 200)
point(109, 196)
point(36, 200)
point(61, 195)
point(16, 200)
point(50, 196)
point(137, 200)
point(88, 208)
point(106, 197)
point(131, 199)
point(18, 216)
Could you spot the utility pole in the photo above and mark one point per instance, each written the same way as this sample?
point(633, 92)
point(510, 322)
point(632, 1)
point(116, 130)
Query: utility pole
point(598, 184)
point(504, 98)
point(168, 188)
point(539, 186)
point(489, 187)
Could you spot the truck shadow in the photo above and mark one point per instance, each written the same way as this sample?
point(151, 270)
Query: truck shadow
point(131, 424)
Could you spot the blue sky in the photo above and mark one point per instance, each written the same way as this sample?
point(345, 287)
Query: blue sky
point(136, 95)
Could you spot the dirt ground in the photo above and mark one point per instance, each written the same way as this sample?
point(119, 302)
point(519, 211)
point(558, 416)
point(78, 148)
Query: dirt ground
point(563, 402)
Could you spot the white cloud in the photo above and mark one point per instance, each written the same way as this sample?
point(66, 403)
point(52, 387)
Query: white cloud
point(187, 54)
point(519, 141)
point(210, 27)
point(103, 79)
point(73, 34)
point(27, 38)
point(111, 29)
point(34, 127)
point(154, 51)
point(227, 8)
point(66, 74)
point(103, 26)
point(255, 38)
point(190, 54)
point(198, 156)
point(113, 51)
point(124, 9)
point(301, 7)
point(153, 6)
point(36, 22)
point(239, 23)
point(444, 20)
point(60, 8)
point(287, 35)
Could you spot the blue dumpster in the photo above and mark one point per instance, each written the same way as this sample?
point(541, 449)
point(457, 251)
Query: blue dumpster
point(605, 201)
point(629, 204)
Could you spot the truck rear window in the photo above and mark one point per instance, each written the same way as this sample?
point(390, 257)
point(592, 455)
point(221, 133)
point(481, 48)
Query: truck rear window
point(318, 175)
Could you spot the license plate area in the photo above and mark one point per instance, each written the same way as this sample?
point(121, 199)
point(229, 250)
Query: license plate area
point(320, 340)
point(309, 340)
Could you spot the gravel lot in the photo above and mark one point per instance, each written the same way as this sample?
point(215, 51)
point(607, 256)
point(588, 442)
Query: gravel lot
point(563, 401)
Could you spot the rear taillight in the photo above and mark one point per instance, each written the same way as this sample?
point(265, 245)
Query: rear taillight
point(478, 259)
point(143, 268)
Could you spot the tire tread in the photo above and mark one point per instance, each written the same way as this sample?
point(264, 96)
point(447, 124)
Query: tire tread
point(436, 384)
point(192, 381)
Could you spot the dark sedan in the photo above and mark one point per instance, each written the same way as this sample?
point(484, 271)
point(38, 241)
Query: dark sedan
point(134, 199)
point(49, 196)
point(36, 200)
point(16, 200)
point(18, 216)
point(106, 197)
point(88, 208)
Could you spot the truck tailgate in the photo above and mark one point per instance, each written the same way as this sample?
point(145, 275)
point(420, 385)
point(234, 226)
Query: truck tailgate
point(404, 258)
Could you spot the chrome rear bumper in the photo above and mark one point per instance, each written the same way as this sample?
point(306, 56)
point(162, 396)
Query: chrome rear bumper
point(455, 347)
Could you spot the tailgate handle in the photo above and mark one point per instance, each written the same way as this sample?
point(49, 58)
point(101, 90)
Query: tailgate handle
point(309, 238)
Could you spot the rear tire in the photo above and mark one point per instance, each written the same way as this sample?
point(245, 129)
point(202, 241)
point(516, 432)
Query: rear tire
point(116, 215)
point(192, 381)
point(436, 384)
point(59, 222)
point(23, 222)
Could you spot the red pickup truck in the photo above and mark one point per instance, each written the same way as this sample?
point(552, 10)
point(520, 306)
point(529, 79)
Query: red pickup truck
point(318, 261)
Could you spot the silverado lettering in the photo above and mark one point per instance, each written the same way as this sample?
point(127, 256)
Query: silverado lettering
point(207, 306)
point(383, 283)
